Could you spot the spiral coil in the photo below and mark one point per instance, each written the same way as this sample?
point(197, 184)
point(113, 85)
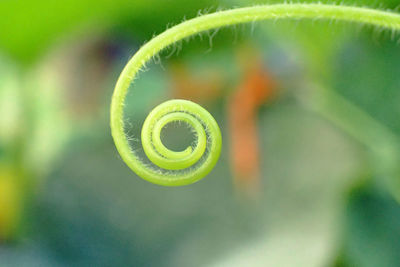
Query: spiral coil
point(181, 168)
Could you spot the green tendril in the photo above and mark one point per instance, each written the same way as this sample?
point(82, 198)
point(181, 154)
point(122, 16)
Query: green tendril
point(185, 167)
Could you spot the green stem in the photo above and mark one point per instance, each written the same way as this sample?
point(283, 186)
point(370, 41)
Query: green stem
point(383, 19)
point(383, 144)
point(354, 121)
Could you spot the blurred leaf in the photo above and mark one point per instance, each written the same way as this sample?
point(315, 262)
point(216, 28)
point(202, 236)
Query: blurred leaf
point(11, 104)
point(30, 26)
point(10, 202)
point(368, 75)
point(373, 232)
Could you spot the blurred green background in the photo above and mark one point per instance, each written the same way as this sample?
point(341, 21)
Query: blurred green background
point(309, 112)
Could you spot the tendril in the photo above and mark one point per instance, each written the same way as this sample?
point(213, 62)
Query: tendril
point(173, 168)
point(202, 124)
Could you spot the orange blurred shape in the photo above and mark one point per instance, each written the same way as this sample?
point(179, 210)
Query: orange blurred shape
point(255, 89)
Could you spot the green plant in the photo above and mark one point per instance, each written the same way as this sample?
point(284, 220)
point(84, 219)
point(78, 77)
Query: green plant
point(166, 112)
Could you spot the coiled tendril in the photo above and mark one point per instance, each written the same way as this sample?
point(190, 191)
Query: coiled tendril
point(172, 165)
point(208, 136)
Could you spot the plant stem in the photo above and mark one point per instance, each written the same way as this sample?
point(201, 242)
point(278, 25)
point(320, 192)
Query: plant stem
point(382, 19)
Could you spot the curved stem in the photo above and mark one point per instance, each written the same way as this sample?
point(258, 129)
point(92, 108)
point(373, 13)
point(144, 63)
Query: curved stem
point(380, 140)
point(383, 19)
